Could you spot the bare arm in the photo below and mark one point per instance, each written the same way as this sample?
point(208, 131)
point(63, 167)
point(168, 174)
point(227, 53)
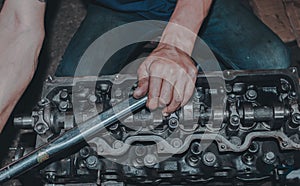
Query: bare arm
point(185, 24)
point(169, 73)
point(21, 38)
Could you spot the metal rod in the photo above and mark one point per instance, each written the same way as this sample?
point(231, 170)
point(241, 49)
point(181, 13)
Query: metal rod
point(71, 138)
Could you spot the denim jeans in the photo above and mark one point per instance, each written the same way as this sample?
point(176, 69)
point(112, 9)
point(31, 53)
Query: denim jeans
point(236, 36)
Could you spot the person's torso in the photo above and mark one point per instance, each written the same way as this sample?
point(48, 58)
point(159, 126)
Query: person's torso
point(151, 9)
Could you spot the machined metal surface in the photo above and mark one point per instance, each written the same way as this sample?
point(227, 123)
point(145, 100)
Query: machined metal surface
point(71, 138)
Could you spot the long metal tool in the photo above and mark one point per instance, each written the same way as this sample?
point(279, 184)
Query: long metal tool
point(71, 138)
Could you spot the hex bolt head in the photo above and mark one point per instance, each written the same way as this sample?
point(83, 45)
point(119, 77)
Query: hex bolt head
point(92, 161)
point(269, 158)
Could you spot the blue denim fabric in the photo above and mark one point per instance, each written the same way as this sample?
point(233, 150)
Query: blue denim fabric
point(235, 35)
point(150, 9)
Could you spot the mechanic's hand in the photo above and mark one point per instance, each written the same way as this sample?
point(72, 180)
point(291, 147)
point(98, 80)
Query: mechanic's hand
point(169, 76)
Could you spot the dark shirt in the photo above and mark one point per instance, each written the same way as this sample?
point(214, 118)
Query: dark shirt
point(150, 9)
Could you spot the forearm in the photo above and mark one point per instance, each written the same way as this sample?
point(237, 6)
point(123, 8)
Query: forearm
point(21, 37)
point(185, 24)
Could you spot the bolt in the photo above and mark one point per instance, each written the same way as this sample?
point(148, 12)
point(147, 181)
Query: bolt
point(173, 123)
point(139, 160)
point(84, 152)
point(140, 151)
point(63, 106)
point(292, 95)
point(209, 159)
point(269, 158)
point(254, 147)
point(248, 158)
point(234, 123)
point(117, 144)
point(231, 98)
point(92, 161)
point(41, 128)
point(193, 160)
point(251, 94)
point(103, 87)
point(93, 98)
point(150, 160)
point(114, 127)
point(64, 95)
point(235, 119)
point(176, 143)
point(296, 118)
point(196, 148)
point(285, 87)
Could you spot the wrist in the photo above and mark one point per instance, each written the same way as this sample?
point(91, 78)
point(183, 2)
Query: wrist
point(179, 37)
point(22, 15)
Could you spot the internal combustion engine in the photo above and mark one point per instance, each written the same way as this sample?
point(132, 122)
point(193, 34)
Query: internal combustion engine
point(239, 127)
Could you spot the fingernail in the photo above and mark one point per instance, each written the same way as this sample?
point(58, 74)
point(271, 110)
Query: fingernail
point(165, 114)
